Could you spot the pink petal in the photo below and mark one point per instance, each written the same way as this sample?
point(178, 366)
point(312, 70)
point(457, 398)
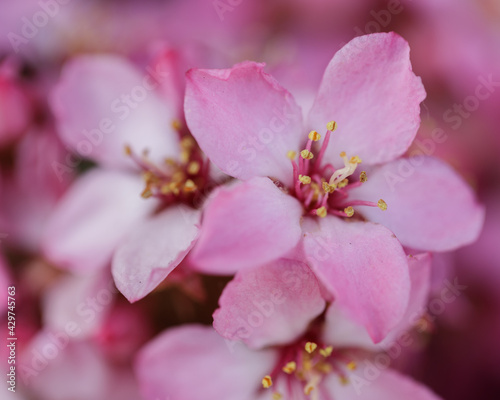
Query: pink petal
point(53, 377)
point(172, 64)
point(81, 300)
point(369, 89)
point(370, 382)
point(364, 267)
point(153, 249)
point(340, 330)
point(91, 219)
point(96, 120)
point(244, 225)
point(430, 207)
point(15, 108)
point(269, 305)
point(5, 279)
point(244, 120)
point(194, 362)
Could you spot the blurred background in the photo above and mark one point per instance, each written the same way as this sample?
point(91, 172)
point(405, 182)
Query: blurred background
point(455, 49)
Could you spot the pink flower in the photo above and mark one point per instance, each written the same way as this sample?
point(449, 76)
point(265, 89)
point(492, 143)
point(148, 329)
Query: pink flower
point(30, 189)
point(299, 352)
point(251, 127)
point(15, 107)
point(105, 108)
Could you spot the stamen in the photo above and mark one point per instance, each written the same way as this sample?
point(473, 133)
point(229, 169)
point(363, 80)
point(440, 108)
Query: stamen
point(326, 352)
point(176, 124)
point(267, 382)
point(193, 167)
point(146, 193)
point(343, 380)
point(310, 347)
point(306, 154)
point(382, 205)
point(305, 179)
point(349, 211)
point(312, 384)
point(128, 150)
point(328, 188)
point(187, 142)
point(290, 367)
point(321, 212)
point(291, 154)
point(189, 186)
point(277, 396)
point(362, 177)
point(342, 184)
point(314, 136)
point(351, 366)
point(331, 126)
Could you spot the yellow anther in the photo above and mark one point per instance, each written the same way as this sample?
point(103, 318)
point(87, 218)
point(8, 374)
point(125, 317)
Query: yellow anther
point(308, 389)
point(267, 382)
point(321, 212)
point(128, 150)
point(176, 124)
point(362, 177)
point(146, 193)
point(291, 154)
point(331, 126)
point(185, 156)
point(328, 188)
point(314, 136)
point(306, 154)
point(170, 162)
point(290, 367)
point(382, 205)
point(310, 347)
point(306, 180)
point(178, 176)
point(187, 142)
point(148, 176)
point(343, 183)
point(174, 188)
point(277, 396)
point(325, 368)
point(349, 211)
point(193, 167)
point(355, 160)
point(165, 189)
point(351, 366)
point(326, 352)
point(344, 380)
point(342, 154)
point(189, 186)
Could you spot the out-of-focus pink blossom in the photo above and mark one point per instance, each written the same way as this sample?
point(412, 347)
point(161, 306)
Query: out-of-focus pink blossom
point(132, 126)
point(15, 107)
point(31, 188)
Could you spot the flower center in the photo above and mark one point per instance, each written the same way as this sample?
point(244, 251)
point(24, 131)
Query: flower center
point(323, 189)
point(308, 364)
point(174, 180)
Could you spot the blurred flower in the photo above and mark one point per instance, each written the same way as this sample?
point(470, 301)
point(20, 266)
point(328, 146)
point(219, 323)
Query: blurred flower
point(15, 107)
point(106, 111)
